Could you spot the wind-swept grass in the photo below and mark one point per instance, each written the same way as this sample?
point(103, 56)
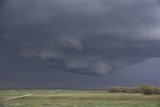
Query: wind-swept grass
point(75, 98)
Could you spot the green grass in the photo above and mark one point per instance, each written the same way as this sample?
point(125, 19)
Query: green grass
point(60, 98)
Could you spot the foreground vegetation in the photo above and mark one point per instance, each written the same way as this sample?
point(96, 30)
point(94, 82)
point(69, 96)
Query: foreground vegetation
point(75, 98)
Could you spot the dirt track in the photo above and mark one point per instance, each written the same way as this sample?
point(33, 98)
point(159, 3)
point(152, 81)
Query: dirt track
point(12, 98)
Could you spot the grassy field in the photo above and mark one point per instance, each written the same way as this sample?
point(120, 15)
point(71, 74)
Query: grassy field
point(75, 98)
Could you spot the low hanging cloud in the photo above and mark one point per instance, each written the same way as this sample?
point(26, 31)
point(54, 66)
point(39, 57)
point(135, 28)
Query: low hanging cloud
point(83, 36)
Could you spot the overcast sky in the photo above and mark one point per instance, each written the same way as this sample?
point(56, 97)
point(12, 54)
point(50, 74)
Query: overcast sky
point(79, 43)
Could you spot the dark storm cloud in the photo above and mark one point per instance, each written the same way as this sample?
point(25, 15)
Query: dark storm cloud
point(158, 1)
point(87, 37)
point(1, 2)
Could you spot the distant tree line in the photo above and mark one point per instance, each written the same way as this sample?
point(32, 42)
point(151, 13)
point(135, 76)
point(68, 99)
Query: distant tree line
point(143, 88)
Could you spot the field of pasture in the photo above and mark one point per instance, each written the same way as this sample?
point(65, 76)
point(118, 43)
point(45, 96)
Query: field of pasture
point(75, 98)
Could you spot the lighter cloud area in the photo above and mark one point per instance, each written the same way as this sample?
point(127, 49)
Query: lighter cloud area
point(71, 42)
point(43, 55)
point(101, 68)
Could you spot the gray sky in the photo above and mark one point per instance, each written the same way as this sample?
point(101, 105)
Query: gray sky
point(79, 43)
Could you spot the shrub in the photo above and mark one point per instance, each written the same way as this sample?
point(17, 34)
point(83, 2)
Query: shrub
point(113, 89)
point(145, 89)
point(156, 90)
point(135, 90)
point(117, 89)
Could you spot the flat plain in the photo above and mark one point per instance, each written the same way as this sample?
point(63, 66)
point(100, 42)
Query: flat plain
point(74, 98)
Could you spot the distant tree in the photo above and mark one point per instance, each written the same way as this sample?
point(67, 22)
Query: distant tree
point(143, 88)
point(146, 89)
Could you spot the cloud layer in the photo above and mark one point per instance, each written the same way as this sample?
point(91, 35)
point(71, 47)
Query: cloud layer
point(83, 36)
